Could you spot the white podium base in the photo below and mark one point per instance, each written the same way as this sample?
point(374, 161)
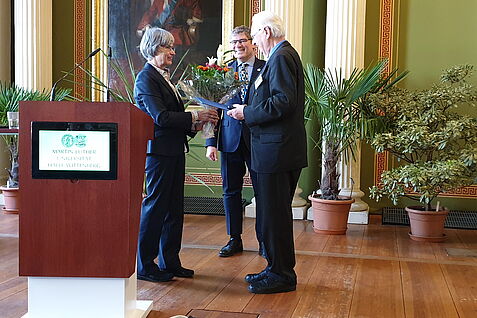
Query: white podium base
point(299, 213)
point(354, 217)
point(79, 297)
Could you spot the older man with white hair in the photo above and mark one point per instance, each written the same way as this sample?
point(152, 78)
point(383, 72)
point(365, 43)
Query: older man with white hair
point(278, 143)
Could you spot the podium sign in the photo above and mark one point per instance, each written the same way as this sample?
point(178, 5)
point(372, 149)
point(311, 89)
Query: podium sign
point(66, 150)
point(81, 178)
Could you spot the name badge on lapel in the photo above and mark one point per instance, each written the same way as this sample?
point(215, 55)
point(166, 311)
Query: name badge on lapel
point(258, 81)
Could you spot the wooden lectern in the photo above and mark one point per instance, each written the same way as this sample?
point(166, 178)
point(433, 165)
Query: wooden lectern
point(78, 237)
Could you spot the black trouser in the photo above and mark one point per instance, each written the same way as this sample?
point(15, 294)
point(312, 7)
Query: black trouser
point(274, 197)
point(232, 166)
point(162, 215)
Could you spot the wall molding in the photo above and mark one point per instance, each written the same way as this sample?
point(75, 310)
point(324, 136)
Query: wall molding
point(212, 179)
point(79, 44)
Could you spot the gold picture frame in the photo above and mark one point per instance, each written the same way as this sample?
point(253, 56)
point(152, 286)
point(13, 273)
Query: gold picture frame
point(99, 27)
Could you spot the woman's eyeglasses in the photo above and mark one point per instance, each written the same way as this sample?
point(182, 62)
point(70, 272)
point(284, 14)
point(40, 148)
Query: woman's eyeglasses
point(169, 47)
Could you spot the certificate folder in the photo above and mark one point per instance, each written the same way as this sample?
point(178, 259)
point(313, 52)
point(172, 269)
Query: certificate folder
point(213, 104)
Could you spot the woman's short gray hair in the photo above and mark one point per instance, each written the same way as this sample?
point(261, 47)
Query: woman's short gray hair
point(268, 19)
point(152, 39)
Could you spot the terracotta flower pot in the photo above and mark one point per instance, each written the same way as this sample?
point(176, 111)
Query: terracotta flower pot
point(330, 216)
point(11, 200)
point(427, 226)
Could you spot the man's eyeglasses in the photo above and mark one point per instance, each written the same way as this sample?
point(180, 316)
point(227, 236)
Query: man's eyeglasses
point(255, 34)
point(241, 41)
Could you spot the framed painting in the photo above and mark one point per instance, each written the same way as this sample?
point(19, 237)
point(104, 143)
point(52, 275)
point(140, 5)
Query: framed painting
point(198, 27)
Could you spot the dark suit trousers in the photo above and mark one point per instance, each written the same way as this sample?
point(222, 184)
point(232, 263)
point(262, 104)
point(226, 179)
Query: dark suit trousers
point(274, 196)
point(162, 214)
point(232, 165)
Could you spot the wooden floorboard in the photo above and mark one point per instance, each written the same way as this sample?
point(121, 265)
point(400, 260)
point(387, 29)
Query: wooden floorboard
point(408, 248)
point(462, 283)
point(235, 297)
point(380, 241)
point(372, 271)
point(219, 314)
point(284, 304)
point(351, 243)
point(329, 292)
point(378, 291)
point(425, 291)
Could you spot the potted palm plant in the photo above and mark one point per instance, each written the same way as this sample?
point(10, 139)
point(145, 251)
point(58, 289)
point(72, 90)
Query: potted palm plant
point(10, 97)
point(436, 146)
point(340, 104)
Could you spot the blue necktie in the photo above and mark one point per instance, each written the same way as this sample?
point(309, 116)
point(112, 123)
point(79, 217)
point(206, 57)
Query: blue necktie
point(243, 76)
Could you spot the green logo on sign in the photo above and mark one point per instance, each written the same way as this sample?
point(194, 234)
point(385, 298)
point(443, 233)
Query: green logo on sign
point(70, 141)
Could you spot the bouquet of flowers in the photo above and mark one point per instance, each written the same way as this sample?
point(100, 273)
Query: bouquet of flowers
point(212, 81)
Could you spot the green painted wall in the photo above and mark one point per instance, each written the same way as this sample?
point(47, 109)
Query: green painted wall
point(434, 35)
point(313, 52)
point(242, 12)
point(63, 40)
point(431, 35)
point(371, 55)
point(371, 49)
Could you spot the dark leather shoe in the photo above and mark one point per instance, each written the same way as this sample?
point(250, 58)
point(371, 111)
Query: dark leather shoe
point(252, 278)
point(158, 276)
point(234, 246)
point(261, 251)
point(270, 285)
point(182, 272)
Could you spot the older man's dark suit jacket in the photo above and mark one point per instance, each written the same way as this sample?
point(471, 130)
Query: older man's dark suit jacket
point(160, 231)
point(275, 114)
point(278, 140)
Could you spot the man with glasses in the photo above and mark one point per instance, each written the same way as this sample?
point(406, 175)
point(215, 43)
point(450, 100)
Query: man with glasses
point(233, 140)
point(275, 116)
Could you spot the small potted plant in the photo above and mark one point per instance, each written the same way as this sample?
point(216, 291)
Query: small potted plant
point(10, 97)
point(435, 145)
point(340, 106)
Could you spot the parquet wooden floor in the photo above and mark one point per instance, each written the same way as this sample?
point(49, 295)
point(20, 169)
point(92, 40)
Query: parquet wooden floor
point(372, 271)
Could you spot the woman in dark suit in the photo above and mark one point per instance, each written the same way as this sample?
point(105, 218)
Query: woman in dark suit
point(162, 214)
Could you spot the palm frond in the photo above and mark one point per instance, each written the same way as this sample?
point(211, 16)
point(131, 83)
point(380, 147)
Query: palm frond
point(340, 104)
point(11, 95)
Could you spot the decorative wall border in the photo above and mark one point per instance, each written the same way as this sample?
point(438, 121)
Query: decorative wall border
point(386, 27)
point(255, 7)
point(79, 43)
point(212, 179)
point(99, 39)
point(386, 39)
point(385, 51)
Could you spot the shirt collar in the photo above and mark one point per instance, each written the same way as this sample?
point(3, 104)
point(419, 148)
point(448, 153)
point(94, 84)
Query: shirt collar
point(249, 62)
point(275, 48)
point(163, 72)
